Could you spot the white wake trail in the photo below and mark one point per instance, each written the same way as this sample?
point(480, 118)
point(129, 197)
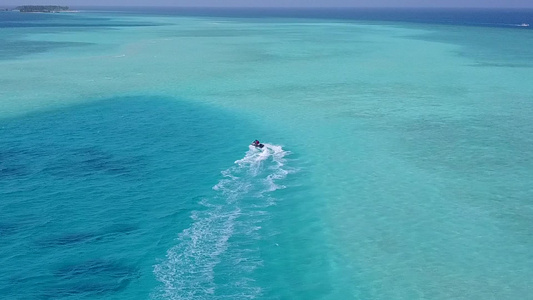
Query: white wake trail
point(188, 272)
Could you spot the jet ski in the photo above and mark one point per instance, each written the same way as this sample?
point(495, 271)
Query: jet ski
point(257, 144)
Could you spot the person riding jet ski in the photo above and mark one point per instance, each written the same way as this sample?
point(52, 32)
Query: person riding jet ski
point(257, 144)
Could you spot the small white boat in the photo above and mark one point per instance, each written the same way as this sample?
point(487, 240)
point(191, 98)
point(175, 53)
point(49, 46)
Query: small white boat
point(524, 25)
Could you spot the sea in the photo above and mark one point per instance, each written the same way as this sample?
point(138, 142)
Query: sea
point(398, 157)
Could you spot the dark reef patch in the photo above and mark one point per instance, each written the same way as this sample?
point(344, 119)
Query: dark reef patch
point(90, 278)
point(7, 229)
point(72, 239)
point(16, 48)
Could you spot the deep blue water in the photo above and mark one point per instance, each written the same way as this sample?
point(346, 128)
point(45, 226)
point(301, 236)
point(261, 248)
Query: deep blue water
point(80, 186)
point(445, 16)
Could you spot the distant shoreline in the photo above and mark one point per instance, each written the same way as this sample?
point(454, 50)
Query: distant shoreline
point(46, 12)
point(42, 9)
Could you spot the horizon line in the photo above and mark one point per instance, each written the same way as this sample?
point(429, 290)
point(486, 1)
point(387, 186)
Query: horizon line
point(278, 7)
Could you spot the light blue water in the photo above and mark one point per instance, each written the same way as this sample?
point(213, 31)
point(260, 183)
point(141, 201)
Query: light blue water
point(397, 163)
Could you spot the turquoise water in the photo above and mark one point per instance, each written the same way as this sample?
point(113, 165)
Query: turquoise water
point(397, 166)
